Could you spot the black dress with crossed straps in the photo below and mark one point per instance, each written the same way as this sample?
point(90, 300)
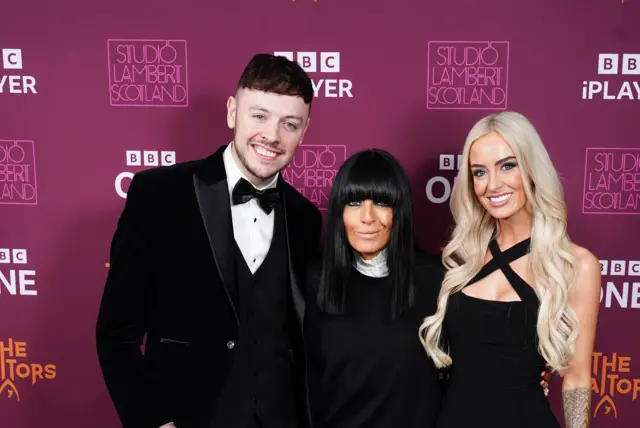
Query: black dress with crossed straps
point(495, 375)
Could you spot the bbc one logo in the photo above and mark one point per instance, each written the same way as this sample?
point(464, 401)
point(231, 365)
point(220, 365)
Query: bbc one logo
point(15, 83)
point(17, 369)
point(619, 290)
point(313, 170)
point(615, 87)
point(15, 279)
point(138, 158)
point(18, 173)
point(439, 187)
point(326, 63)
point(148, 73)
point(467, 75)
point(611, 380)
point(611, 181)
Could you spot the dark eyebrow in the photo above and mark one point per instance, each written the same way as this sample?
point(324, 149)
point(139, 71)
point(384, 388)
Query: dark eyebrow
point(267, 111)
point(501, 161)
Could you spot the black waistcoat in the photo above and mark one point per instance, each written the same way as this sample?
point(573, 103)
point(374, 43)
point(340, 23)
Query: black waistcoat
point(260, 380)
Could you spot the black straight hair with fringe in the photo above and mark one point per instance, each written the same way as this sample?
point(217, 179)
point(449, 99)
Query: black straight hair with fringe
point(369, 175)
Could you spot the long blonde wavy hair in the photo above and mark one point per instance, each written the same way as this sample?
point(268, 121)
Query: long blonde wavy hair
point(551, 262)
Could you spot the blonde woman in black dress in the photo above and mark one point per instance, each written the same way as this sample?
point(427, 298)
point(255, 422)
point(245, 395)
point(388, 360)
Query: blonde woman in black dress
point(517, 292)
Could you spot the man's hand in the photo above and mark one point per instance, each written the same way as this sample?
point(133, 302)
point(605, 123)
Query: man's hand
point(169, 425)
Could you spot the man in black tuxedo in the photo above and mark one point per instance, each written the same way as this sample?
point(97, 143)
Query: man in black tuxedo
point(207, 262)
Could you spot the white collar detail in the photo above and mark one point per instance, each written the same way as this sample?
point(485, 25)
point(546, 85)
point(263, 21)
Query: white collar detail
point(376, 267)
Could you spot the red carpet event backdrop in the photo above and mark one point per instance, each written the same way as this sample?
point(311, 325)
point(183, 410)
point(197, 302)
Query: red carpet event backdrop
point(93, 92)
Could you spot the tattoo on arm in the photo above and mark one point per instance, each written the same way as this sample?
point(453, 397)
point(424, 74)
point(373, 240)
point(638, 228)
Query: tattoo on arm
point(577, 406)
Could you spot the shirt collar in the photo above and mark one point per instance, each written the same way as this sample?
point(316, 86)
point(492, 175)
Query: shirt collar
point(376, 267)
point(234, 174)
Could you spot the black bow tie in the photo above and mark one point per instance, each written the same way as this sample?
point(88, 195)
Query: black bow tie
point(243, 192)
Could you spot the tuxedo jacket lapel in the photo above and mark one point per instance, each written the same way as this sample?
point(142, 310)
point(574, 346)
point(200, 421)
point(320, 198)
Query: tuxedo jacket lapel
point(293, 252)
point(212, 193)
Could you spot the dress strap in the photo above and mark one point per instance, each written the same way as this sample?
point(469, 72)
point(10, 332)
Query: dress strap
point(501, 260)
point(521, 249)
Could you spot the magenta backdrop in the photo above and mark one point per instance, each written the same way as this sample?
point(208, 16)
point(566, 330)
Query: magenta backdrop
point(87, 88)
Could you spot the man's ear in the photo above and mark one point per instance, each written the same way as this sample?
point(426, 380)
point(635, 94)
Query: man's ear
point(231, 112)
point(306, 126)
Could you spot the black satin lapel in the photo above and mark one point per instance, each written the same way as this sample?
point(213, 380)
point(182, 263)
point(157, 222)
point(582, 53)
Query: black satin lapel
point(215, 209)
point(299, 300)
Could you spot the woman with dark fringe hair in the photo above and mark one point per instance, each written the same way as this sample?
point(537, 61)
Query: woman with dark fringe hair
point(366, 367)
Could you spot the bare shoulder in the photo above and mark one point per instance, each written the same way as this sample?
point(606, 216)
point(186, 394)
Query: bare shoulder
point(588, 274)
point(587, 260)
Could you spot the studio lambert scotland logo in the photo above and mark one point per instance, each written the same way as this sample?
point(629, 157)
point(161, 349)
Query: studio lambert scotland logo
point(467, 75)
point(611, 181)
point(148, 73)
point(313, 170)
point(18, 173)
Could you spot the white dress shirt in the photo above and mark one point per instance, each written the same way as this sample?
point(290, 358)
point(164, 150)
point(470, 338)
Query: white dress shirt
point(252, 227)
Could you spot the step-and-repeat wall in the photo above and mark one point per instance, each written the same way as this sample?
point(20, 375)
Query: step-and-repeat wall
point(93, 92)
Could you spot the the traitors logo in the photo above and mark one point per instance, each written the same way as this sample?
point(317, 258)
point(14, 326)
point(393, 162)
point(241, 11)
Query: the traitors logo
point(16, 368)
point(611, 380)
